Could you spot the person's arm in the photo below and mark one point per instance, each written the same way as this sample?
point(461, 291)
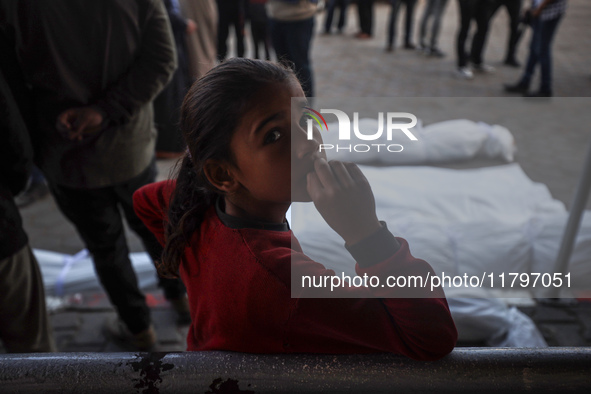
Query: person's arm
point(148, 75)
point(413, 320)
point(150, 203)
point(420, 327)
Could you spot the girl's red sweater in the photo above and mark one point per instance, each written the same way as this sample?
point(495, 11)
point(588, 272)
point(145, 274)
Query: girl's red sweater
point(239, 287)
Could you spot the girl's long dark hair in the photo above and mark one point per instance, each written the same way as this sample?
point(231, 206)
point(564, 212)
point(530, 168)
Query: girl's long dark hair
point(210, 113)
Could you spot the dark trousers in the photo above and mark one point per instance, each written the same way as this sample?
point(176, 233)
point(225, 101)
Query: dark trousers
point(365, 12)
point(540, 51)
point(332, 5)
point(96, 214)
point(408, 23)
point(514, 10)
point(230, 13)
point(291, 41)
point(433, 10)
point(480, 11)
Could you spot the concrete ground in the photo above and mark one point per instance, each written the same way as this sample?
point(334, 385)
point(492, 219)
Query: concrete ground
point(551, 137)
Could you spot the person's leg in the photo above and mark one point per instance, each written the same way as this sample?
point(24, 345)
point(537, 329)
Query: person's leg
point(514, 10)
point(437, 17)
point(427, 13)
point(238, 22)
point(466, 9)
point(173, 288)
point(392, 22)
point(534, 53)
point(279, 39)
point(482, 14)
point(409, 23)
point(24, 324)
point(298, 51)
point(330, 7)
point(223, 30)
point(365, 10)
point(547, 34)
point(95, 214)
point(343, 4)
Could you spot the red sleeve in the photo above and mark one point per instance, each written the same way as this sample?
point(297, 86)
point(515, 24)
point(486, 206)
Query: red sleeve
point(419, 325)
point(150, 203)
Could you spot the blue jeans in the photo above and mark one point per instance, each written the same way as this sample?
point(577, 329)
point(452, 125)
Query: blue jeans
point(291, 41)
point(540, 51)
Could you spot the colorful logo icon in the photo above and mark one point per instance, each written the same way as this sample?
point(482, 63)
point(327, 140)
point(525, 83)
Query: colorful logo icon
point(315, 115)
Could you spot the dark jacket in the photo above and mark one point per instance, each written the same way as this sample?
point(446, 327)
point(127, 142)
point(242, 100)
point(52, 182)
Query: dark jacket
point(116, 55)
point(16, 152)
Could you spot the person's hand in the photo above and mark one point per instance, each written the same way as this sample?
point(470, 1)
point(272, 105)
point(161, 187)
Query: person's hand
point(77, 123)
point(191, 26)
point(343, 196)
point(536, 12)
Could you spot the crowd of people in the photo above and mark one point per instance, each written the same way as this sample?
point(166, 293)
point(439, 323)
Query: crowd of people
point(91, 102)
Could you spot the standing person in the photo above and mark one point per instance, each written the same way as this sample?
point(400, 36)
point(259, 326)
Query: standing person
point(292, 28)
point(408, 24)
point(202, 43)
point(332, 5)
point(24, 324)
point(514, 10)
point(478, 10)
point(433, 10)
point(230, 13)
point(93, 79)
point(545, 17)
point(223, 226)
point(167, 105)
point(365, 13)
point(259, 27)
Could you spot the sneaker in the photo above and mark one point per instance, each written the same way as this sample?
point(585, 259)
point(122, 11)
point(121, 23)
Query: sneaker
point(516, 88)
point(181, 307)
point(410, 45)
point(435, 52)
point(464, 73)
point(512, 63)
point(116, 330)
point(483, 68)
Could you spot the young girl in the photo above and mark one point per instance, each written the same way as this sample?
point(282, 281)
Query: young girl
point(223, 226)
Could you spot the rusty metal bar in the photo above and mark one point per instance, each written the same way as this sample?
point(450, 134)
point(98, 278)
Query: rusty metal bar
point(464, 370)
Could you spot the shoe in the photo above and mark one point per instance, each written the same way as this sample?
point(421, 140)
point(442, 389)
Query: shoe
point(389, 48)
point(435, 52)
point(181, 307)
point(409, 45)
point(483, 68)
point(33, 193)
point(519, 87)
point(363, 36)
point(539, 93)
point(116, 330)
point(512, 63)
point(464, 73)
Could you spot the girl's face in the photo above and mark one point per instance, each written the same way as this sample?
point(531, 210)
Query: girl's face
point(271, 150)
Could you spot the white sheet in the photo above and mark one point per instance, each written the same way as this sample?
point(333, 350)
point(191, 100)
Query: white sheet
point(442, 142)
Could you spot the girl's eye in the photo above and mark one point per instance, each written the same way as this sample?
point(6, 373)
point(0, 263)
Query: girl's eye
point(272, 136)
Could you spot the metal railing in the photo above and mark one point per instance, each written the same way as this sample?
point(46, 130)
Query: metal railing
point(464, 370)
